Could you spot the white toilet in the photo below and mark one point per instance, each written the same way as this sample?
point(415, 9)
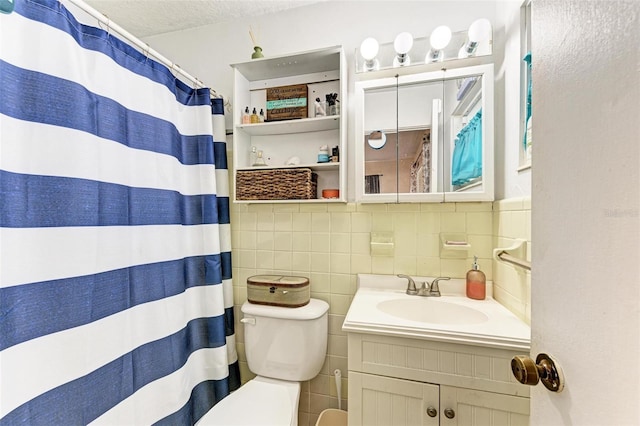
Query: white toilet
point(284, 346)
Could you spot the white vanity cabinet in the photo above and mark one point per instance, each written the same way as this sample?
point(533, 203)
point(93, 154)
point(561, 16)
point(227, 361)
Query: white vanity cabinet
point(404, 381)
point(280, 141)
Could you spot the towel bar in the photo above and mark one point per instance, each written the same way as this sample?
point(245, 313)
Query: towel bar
point(503, 255)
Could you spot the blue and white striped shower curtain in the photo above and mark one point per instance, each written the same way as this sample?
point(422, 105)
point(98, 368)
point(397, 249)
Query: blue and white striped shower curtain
point(116, 300)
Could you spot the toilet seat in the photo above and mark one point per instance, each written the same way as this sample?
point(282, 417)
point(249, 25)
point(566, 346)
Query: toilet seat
point(261, 401)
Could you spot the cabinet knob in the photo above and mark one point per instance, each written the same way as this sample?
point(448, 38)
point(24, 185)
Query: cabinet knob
point(544, 370)
point(449, 413)
point(432, 412)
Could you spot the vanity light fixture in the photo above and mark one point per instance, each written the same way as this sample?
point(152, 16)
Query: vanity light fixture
point(441, 45)
point(402, 44)
point(439, 39)
point(480, 30)
point(369, 50)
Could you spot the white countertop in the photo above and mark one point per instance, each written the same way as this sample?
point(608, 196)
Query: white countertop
point(502, 329)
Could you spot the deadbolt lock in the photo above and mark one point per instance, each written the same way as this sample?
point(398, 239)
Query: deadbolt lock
point(544, 370)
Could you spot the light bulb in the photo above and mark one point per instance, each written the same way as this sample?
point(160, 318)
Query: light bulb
point(369, 48)
point(440, 37)
point(480, 30)
point(403, 43)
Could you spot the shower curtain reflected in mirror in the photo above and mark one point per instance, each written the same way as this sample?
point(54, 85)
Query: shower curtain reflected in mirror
point(116, 299)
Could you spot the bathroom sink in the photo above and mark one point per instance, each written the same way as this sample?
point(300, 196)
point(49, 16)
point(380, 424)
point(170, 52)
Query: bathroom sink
point(430, 310)
point(381, 306)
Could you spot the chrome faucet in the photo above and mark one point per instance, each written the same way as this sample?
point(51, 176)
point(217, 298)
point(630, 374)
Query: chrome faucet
point(411, 287)
point(433, 290)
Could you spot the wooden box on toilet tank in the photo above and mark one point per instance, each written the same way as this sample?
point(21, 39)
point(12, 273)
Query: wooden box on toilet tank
point(278, 290)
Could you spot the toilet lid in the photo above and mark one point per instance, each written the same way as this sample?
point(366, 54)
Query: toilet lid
point(255, 403)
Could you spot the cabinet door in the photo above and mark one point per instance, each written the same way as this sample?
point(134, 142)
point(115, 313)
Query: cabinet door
point(383, 401)
point(478, 408)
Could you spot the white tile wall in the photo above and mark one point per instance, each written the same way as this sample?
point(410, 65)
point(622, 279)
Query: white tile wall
point(329, 243)
point(511, 285)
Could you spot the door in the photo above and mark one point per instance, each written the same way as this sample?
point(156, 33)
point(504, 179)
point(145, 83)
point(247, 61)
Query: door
point(467, 407)
point(384, 401)
point(585, 210)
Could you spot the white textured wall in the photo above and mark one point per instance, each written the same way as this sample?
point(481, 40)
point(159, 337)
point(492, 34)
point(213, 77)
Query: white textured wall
point(586, 198)
point(206, 52)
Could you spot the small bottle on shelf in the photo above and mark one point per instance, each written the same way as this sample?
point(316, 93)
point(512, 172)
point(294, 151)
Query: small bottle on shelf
point(253, 155)
point(246, 118)
point(254, 116)
point(261, 116)
point(259, 160)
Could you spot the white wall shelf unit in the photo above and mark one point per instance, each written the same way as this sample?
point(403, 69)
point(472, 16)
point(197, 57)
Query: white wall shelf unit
point(303, 125)
point(324, 72)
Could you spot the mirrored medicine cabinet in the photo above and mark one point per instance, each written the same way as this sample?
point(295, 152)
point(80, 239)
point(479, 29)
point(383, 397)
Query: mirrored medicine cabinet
point(425, 137)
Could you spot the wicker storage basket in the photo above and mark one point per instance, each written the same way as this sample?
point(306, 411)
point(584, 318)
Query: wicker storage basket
point(276, 184)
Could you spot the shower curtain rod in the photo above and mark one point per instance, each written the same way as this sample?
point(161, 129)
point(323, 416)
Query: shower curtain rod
point(144, 47)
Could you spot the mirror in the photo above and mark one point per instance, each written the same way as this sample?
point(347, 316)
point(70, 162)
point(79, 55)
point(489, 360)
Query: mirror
point(377, 139)
point(425, 137)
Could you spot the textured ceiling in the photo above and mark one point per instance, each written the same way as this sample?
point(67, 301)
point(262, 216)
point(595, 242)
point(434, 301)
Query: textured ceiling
point(144, 18)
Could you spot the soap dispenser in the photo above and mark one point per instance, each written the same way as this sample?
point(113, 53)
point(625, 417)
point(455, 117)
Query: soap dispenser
point(476, 282)
point(254, 117)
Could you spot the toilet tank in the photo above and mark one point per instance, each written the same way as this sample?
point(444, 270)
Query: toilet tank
point(286, 343)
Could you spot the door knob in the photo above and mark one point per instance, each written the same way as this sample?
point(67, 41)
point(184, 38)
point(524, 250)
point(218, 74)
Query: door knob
point(432, 412)
point(544, 370)
point(449, 413)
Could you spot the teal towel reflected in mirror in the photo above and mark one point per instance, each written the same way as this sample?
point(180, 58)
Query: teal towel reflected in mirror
point(466, 163)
